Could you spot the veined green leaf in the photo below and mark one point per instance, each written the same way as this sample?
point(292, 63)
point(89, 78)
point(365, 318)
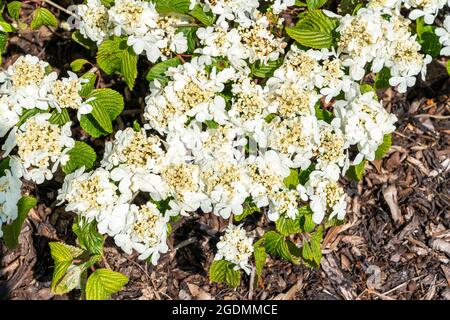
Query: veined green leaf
point(207, 18)
point(104, 282)
point(43, 17)
point(78, 64)
point(157, 72)
point(80, 155)
point(4, 165)
point(315, 4)
point(87, 87)
point(129, 67)
point(173, 6)
point(11, 231)
point(81, 40)
point(88, 235)
point(14, 9)
point(260, 255)
point(356, 172)
point(107, 104)
point(314, 30)
point(384, 147)
point(223, 271)
point(287, 226)
point(59, 118)
point(277, 245)
point(262, 70)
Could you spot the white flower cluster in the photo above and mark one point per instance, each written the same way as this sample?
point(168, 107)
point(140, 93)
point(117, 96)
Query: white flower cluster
point(220, 137)
point(147, 31)
point(444, 36)
point(10, 194)
point(381, 40)
point(235, 247)
point(29, 83)
point(225, 140)
point(428, 9)
point(41, 147)
point(252, 42)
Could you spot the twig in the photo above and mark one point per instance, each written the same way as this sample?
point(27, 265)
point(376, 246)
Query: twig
point(185, 243)
point(431, 116)
point(57, 6)
point(252, 280)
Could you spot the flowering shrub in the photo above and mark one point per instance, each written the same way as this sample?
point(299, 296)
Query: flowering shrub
point(246, 114)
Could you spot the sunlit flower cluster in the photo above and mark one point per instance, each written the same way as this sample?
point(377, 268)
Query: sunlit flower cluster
point(241, 118)
point(444, 37)
point(381, 40)
point(10, 193)
point(29, 83)
point(41, 147)
point(236, 247)
point(146, 31)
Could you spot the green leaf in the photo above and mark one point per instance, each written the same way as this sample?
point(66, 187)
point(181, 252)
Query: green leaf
point(107, 3)
point(384, 147)
point(63, 256)
point(4, 165)
point(367, 88)
point(349, 6)
point(173, 6)
point(323, 114)
point(356, 173)
point(448, 67)
point(315, 240)
point(88, 236)
point(249, 209)
point(78, 64)
point(87, 87)
point(106, 104)
point(110, 53)
point(6, 27)
point(14, 9)
point(223, 271)
point(382, 79)
point(67, 280)
point(291, 181)
point(314, 30)
point(11, 231)
point(80, 155)
point(211, 124)
point(303, 175)
point(81, 40)
point(136, 126)
point(129, 67)
point(114, 56)
point(157, 72)
point(43, 17)
point(315, 4)
point(3, 43)
point(287, 226)
point(207, 18)
point(59, 118)
point(62, 252)
point(260, 255)
point(104, 282)
point(262, 70)
point(305, 219)
point(91, 126)
point(277, 245)
point(307, 253)
point(190, 34)
point(430, 41)
point(28, 113)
